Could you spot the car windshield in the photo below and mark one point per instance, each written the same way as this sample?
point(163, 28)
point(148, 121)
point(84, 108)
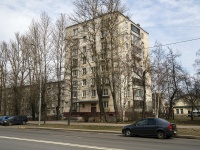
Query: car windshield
point(10, 118)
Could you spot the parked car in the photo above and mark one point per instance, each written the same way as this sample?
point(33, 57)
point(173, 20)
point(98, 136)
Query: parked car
point(157, 127)
point(23, 118)
point(194, 113)
point(2, 118)
point(14, 120)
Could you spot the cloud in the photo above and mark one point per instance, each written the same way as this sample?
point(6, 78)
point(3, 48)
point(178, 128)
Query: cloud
point(16, 16)
point(166, 21)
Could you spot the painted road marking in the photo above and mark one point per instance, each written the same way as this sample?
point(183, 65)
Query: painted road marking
point(59, 143)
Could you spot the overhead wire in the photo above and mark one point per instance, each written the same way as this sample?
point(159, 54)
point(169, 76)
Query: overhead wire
point(174, 43)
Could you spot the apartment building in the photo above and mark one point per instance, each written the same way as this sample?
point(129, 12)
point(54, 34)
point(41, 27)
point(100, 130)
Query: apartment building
point(30, 100)
point(113, 49)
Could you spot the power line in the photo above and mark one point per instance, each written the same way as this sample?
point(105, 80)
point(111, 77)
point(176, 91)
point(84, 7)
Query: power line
point(175, 43)
point(173, 27)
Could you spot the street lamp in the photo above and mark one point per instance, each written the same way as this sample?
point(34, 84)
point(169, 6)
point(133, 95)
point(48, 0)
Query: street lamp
point(40, 84)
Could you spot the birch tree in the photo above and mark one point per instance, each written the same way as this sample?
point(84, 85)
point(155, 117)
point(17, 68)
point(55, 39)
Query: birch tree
point(158, 76)
point(58, 54)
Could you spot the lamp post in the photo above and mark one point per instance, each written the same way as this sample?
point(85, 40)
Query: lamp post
point(40, 84)
point(40, 97)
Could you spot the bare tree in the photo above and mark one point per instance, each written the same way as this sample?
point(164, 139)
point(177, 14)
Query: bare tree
point(158, 76)
point(58, 54)
point(3, 77)
point(45, 29)
point(87, 12)
point(191, 93)
point(197, 63)
point(174, 78)
point(111, 38)
point(16, 54)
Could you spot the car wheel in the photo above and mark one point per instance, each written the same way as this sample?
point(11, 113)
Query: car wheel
point(128, 133)
point(160, 134)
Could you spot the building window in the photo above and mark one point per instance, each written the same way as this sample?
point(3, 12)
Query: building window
point(93, 58)
point(138, 103)
point(93, 93)
point(129, 104)
point(84, 60)
point(105, 92)
point(93, 81)
point(181, 111)
point(126, 45)
point(76, 31)
point(103, 56)
point(104, 80)
point(75, 83)
point(135, 29)
point(84, 71)
point(75, 52)
point(84, 82)
point(103, 45)
point(138, 93)
point(177, 111)
point(84, 93)
point(93, 69)
point(75, 73)
point(84, 49)
point(84, 28)
point(75, 94)
point(76, 42)
point(102, 34)
point(104, 68)
point(75, 62)
point(105, 104)
point(85, 39)
point(129, 91)
point(83, 105)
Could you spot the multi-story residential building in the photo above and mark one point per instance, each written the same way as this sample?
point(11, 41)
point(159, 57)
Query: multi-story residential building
point(30, 100)
point(114, 49)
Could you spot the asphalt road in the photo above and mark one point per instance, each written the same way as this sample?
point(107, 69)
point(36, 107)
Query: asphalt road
point(38, 139)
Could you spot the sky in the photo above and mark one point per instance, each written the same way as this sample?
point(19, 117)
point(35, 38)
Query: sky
point(166, 21)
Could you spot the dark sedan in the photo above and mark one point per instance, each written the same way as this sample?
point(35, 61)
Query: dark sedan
point(14, 120)
point(158, 127)
point(3, 118)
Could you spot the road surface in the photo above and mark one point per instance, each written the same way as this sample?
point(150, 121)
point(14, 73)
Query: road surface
point(38, 139)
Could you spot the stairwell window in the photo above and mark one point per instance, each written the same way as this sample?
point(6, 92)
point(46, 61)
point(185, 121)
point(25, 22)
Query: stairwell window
point(105, 92)
point(93, 69)
point(75, 83)
point(75, 73)
point(75, 94)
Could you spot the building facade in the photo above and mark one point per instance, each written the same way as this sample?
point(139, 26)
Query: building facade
point(108, 56)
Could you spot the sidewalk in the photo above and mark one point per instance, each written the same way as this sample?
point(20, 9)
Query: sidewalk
point(101, 124)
